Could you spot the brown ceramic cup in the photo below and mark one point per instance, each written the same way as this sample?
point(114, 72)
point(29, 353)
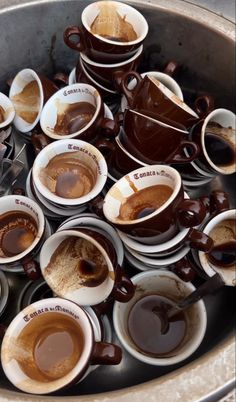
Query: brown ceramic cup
point(147, 218)
point(156, 140)
point(217, 143)
point(149, 94)
point(108, 48)
point(110, 75)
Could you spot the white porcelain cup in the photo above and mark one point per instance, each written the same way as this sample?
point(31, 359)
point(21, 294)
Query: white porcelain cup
point(34, 316)
point(166, 284)
point(86, 154)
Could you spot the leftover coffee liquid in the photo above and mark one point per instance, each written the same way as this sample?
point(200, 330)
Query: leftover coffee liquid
point(110, 25)
point(144, 327)
point(66, 176)
point(219, 147)
point(144, 202)
point(27, 102)
point(2, 114)
point(74, 117)
point(49, 346)
point(223, 254)
point(17, 232)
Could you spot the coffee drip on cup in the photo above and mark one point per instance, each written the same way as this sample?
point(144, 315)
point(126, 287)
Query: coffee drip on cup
point(27, 102)
point(223, 254)
point(220, 144)
point(2, 114)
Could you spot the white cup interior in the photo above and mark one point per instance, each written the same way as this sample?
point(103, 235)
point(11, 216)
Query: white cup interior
point(10, 364)
point(166, 284)
point(60, 100)
point(8, 108)
point(83, 295)
point(88, 155)
point(130, 14)
point(19, 203)
point(226, 119)
point(23, 78)
point(140, 179)
point(228, 275)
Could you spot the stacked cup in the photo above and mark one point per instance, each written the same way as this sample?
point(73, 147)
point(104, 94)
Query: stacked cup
point(155, 219)
point(110, 44)
point(65, 176)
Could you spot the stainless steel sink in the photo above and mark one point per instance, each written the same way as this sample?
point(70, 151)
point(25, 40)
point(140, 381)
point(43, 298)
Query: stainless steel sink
point(203, 43)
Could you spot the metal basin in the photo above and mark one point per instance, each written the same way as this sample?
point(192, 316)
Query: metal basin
point(31, 36)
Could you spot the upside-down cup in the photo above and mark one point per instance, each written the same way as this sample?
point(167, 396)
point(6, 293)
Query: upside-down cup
point(103, 45)
point(144, 218)
point(58, 107)
point(45, 320)
point(91, 277)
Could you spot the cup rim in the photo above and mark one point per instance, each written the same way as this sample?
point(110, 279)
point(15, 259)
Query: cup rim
point(160, 261)
point(110, 91)
point(203, 129)
point(80, 367)
point(57, 94)
point(159, 361)
point(67, 201)
point(41, 227)
point(17, 123)
point(77, 233)
point(119, 44)
point(228, 276)
point(125, 179)
point(6, 102)
point(121, 146)
point(87, 60)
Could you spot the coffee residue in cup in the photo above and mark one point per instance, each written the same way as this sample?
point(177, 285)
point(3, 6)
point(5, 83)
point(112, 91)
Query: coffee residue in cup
point(67, 176)
point(72, 117)
point(48, 347)
point(144, 327)
point(2, 114)
point(144, 202)
point(223, 254)
point(220, 143)
point(27, 102)
point(17, 232)
point(110, 25)
point(76, 262)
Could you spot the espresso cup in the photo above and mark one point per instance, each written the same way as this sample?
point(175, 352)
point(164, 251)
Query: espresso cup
point(142, 338)
point(143, 215)
point(75, 111)
point(217, 143)
point(64, 165)
point(151, 95)
point(86, 269)
point(163, 77)
point(32, 356)
point(154, 139)
point(23, 227)
point(115, 38)
point(7, 112)
point(110, 75)
point(28, 93)
point(222, 258)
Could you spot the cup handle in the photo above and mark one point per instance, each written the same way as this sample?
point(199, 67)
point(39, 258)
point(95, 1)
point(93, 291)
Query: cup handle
point(18, 191)
point(31, 268)
point(106, 353)
point(180, 158)
point(123, 289)
point(171, 68)
point(184, 270)
point(74, 31)
point(219, 201)
point(129, 93)
point(39, 141)
point(104, 307)
point(111, 127)
point(204, 105)
point(60, 79)
point(190, 213)
point(107, 148)
point(199, 240)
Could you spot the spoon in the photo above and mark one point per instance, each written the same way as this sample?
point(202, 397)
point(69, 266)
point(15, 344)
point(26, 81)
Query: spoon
point(166, 312)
